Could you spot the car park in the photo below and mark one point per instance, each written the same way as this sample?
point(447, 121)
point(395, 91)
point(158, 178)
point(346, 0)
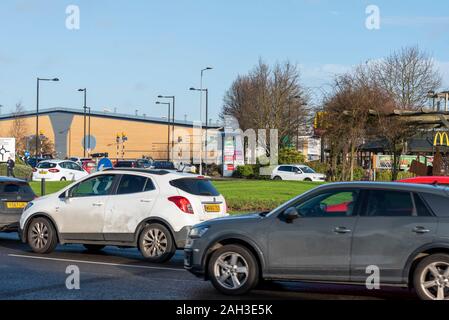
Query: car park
point(58, 170)
point(14, 196)
point(296, 173)
point(149, 209)
point(402, 229)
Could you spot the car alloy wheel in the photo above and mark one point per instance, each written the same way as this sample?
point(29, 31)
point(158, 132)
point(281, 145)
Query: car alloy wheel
point(155, 242)
point(434, 281)
point(231, 270)
point(39, 235)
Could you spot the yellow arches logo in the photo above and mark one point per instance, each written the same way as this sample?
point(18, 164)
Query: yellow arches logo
point(441, 139)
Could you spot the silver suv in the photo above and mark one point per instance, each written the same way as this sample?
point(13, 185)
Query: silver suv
point(335, 233)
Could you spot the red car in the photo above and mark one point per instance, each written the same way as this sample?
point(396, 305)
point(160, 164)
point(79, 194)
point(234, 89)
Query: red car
point(436, 180)
point(89, 165)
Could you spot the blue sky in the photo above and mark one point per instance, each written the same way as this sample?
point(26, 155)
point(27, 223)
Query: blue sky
point(128, 52)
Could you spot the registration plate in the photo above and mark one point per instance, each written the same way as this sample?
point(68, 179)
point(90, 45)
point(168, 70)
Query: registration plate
point(16, 205)
point(212, 207)
point(42, 172)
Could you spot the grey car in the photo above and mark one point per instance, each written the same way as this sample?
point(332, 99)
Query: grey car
point(336, 233)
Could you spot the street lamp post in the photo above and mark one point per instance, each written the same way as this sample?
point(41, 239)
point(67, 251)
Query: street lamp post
point(37, 112)
point(201, 117)
point(173, 123)
point(207, 124)
point(85, 110)
point(89, 132)
point(168, 127)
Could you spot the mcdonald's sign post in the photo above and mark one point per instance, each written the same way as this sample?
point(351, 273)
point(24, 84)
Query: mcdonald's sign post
point(441, 139)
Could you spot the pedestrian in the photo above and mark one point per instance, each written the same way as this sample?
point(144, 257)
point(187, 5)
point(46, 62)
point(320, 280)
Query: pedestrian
point(10, 164)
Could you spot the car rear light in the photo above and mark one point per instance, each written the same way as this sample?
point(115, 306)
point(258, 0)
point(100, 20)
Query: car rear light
point(53, 170)
point(182, 203)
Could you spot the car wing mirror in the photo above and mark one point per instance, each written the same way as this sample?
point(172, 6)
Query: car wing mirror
point(291, 214)
point(65, 196)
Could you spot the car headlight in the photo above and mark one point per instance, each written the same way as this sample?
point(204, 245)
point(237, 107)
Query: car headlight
point(198, 232)
point(28, 206)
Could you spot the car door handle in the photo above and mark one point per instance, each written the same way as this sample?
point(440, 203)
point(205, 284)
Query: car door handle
point(97, 204)
point(145, 200)
point(421, 230)
point(342, 230)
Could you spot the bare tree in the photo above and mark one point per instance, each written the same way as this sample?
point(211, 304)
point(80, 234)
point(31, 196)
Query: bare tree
point(268, 98)
point(408, 74)
point(18, 129)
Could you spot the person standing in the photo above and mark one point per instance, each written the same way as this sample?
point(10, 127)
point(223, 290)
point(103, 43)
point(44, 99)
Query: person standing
point(10, 164)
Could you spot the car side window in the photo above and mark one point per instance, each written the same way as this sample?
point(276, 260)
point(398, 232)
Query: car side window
point(336, 203)
point(388, 203)
point(285, 169)
point(131, 184)
point(149, 186)
point(76, 167)
point(96, 186)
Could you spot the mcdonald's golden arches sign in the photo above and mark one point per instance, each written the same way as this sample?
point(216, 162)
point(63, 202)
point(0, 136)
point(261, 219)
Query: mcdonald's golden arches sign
point(441, 139)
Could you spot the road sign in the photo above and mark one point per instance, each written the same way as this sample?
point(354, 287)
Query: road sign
point(7, 149)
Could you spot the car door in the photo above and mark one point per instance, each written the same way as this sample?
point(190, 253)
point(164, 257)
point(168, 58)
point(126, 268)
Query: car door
point(81, 214)
point(317, 245)
point(392, 225)
point(286, 173)
point(67, 171)
point(129, 206)
point(78, 171)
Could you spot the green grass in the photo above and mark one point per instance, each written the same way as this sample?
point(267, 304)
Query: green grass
point(260, 195)
point(51, 187)
point(241, 195)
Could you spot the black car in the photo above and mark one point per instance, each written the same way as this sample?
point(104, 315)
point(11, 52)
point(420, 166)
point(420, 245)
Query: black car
point(14, 196)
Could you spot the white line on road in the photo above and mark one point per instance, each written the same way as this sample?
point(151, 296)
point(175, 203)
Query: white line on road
point(93, 262)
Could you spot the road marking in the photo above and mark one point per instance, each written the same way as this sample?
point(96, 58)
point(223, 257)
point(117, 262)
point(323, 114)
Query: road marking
point(94, 262)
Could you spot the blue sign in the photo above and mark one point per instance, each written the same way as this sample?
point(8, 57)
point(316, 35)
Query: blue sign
point(27, 154)
point(104, 163)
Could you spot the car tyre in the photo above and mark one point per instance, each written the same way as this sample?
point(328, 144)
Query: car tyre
point(277, 178)
point(63, 179)
point(308, 180)
point(156, 243)
point(431, 277)
point(41, 236)
point(233, 270)
point(93, 247)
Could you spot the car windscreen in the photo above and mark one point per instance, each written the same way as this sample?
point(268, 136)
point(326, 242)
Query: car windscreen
point(307, 170)
point(46, 165)
point(14, 188)
point(198, 187)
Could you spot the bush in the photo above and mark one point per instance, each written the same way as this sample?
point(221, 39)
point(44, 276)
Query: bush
point(386, 175)
point(319, 167)
point(291, 156)
point(246, 171)
point(21, 171)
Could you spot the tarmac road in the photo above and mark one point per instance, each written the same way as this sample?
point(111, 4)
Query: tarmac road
point(123, 274)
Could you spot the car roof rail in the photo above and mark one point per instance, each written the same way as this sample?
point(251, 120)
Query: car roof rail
point(156, 172)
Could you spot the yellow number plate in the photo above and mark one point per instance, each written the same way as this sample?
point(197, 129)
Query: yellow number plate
point(42, 172)
point(16, 205)
point(212, 207)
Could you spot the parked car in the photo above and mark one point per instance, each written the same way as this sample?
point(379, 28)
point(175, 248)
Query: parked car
point(435, 180)
point(144, 163)
point(403, 229)
point(79, 160)
point(58, 170)
point(296, 173)
point(89, 166)
point(126, 164)
point(163, 165)
point(14, 196)
point(149, 209)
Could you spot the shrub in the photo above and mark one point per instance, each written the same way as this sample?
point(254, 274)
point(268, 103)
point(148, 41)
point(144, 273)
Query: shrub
point(246, 171)
point(386, 175)
point(318, 166)
point(21, 171)
point(291, 156)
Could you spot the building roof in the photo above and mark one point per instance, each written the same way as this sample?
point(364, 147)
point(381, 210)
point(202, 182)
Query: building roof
point(110, 115)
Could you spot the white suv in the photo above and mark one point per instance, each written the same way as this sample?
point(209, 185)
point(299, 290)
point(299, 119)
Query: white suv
point(296, 173)
point(149, 209)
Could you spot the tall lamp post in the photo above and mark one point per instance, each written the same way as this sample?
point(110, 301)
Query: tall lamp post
point(37, 112)
point(207, 125)
point(168, 127)
point(173, 98)
point(201, 116)
point(85, 111)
